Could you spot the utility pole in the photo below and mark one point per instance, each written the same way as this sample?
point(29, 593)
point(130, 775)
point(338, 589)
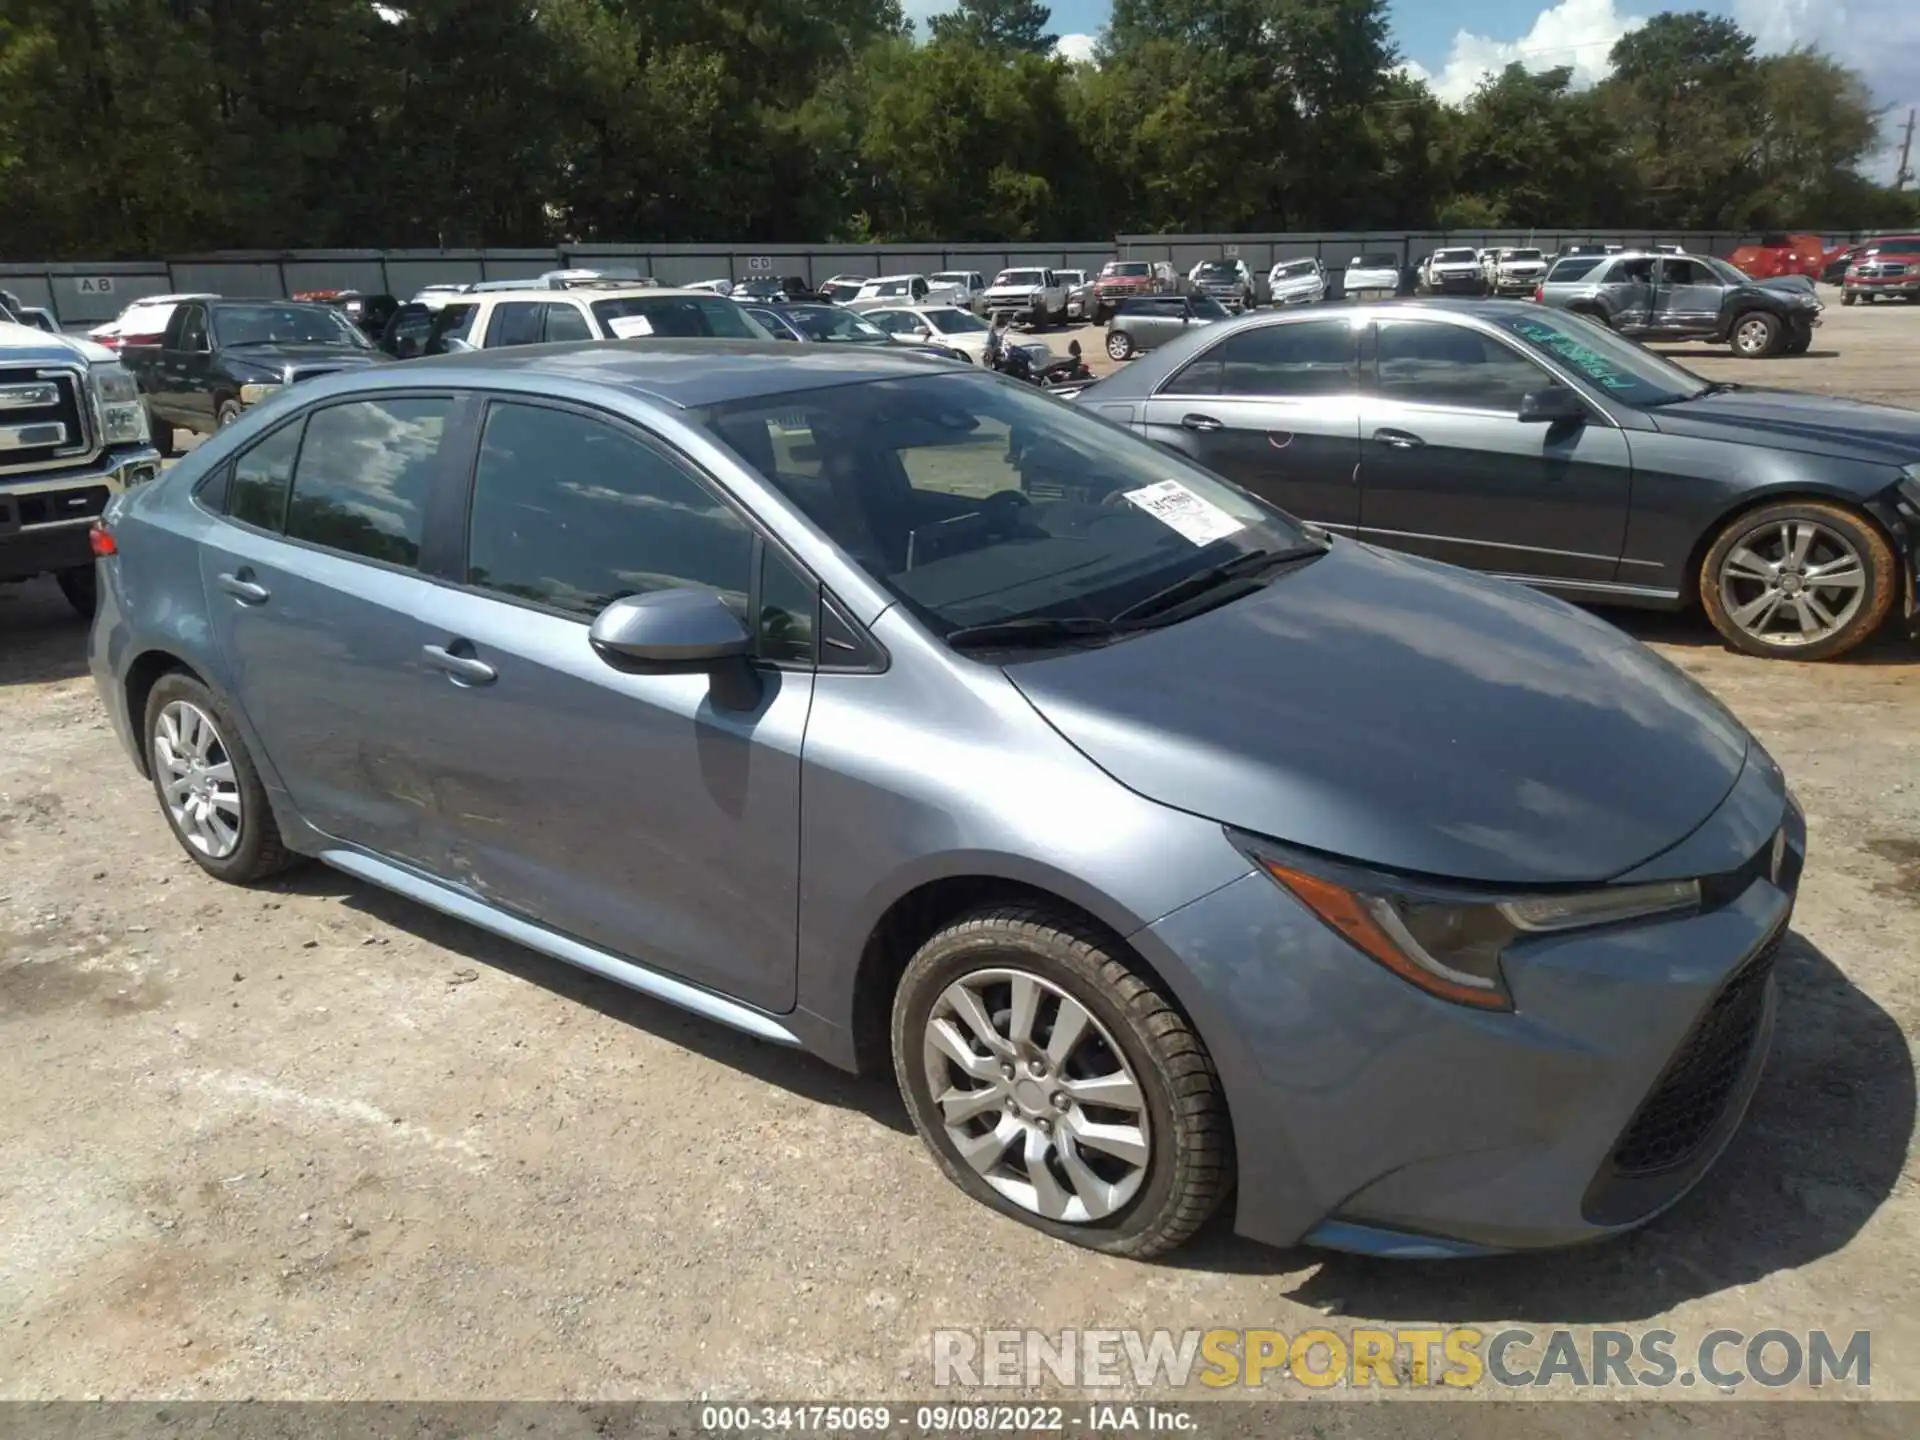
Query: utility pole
point(1904, 172)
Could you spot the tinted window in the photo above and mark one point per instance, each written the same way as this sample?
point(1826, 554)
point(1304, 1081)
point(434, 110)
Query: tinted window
point(789, 606)
point(455, 322)
point(361, 487)
point(257, 493)
point(684, 316)
point(267, 324)
point(193, 327)
point(566, 323)
point(1424, 363)
point(409, 328)
point(1565, 270)
point(1315, 358)
point(514, 325)
point(572, 513)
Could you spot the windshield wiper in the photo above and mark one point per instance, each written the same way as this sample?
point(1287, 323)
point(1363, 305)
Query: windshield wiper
point(1239, 573)
point(1030, 630)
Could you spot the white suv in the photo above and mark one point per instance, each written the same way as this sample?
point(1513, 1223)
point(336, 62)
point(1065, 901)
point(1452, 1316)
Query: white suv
point(492, 319)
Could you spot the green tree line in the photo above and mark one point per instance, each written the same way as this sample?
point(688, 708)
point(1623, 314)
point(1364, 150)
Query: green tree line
point(147, 127)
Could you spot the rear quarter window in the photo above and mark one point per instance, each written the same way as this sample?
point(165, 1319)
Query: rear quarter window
point(1575, 269)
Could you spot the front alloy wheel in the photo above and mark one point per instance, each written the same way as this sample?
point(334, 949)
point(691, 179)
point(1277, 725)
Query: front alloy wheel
point(1054, 1083)
point(1803, 580)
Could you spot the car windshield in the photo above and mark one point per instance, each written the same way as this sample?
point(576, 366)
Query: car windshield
point(840, 289)
point(1619, 366)
point(1071, 277)
point(1207, 306)
point(891, 287)
point(1731, 274)
point(1125, 267)
point(685, 316)
point(285, 325)
point(1218, 270)
point(1020, 277)
point(955, 322)
point(832, 326)
point(977, 503)
point(950, 277)
point(1293, 270)
point(1377, 262)
point(1520, 255)
point(1454, 257)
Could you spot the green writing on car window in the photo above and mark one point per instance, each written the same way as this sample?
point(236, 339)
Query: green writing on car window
point(1594, 366)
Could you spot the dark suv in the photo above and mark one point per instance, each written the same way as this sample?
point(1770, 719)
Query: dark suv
point(1687, 297)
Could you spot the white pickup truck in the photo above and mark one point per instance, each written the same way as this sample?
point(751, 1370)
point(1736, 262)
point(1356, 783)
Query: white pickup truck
point(73, 434)
point(1026, 293)
point(1371, 277)
point(1510, 270)
point(1454, 271)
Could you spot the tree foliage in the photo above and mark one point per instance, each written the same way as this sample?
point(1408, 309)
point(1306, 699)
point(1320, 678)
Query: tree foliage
point(140, 127)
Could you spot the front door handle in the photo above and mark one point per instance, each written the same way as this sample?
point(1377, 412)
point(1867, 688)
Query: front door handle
point(1399, 439)
point(463, 669)
point(243, 589)
point(1206, 424)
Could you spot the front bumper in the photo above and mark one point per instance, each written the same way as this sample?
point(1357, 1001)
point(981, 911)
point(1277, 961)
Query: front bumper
point(44, 518)
point(1895, 285)
point(1517, 284)
point(1369, 1115)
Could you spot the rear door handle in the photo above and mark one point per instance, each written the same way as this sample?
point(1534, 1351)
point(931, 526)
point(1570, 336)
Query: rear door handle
point(1399, 439)
point(462, 668)
point(1204, 423)
point(246, 591)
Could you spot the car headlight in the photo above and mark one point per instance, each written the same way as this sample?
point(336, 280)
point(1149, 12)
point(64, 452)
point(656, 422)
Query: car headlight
point(123, 419)
point(1449, 942)
point(256, 391)
point(1909, 488)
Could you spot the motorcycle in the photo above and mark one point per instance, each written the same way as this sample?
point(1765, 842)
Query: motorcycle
point(1014, 362)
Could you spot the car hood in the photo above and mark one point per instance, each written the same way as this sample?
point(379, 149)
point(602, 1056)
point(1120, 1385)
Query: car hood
point(26, 345)
point(1790, 420)
point(1407, 715)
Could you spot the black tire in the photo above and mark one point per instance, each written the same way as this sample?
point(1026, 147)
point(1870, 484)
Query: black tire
point(1799, 340)
point(80, 584)
point(162, 433)
point(1190, 1144)
point(1876, 559)
point(1756, 335)
point(1847, 297)
point(260, 851)
point(1119, 345)
point(227, 414)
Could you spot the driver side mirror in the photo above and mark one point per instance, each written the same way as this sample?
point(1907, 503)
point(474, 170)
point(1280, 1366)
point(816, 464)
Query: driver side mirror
point(669, 631)
point(1554, 405)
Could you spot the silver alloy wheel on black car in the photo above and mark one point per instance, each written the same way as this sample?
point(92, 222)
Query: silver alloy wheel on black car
point(1805, 579)
point(197, 780)
point(1036, 1096)
point(1755, 335)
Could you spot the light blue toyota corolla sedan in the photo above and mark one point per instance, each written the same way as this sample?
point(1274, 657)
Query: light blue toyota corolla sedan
point(1162, 845)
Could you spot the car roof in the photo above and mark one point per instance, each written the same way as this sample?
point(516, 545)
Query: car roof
point(676, 372)
point(597, 292)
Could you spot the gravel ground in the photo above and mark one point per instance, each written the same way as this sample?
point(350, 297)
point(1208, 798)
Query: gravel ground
point(317, 1142)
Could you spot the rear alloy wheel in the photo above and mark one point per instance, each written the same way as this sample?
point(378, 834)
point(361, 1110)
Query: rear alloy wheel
point(1119, 345)
point(1757, 335)
point(1056, 1085)
point(227, 414)
point(208, 788)
point(1801, 580)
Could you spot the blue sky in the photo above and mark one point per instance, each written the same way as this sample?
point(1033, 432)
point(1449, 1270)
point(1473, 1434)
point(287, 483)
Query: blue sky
point(1453, 46)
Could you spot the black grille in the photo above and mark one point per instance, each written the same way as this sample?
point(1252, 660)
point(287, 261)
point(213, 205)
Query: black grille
point(64, 411)
point(1692, 1095)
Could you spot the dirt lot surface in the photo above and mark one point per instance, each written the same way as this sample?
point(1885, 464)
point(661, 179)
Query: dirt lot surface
point(316, 1141)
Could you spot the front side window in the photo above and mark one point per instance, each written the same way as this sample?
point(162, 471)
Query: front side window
point(1315, 357)
point(1624, 370)
point(266, 324)
point(1568, 270)
point(565, 322)
point(364, 473)
point(193, 327)
point(1432, 363)
point(455, 322)
point(572, 513)
point(257, 489)
point(976, 502)
point(517, 324)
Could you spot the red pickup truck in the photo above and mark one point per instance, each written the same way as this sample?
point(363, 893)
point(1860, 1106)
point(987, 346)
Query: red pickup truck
point(1888, 265)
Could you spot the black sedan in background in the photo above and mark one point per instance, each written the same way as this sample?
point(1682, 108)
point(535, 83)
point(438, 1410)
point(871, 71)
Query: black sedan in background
point(1536, 445)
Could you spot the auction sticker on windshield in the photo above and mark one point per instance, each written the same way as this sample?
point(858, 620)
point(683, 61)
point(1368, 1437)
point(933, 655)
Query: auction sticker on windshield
point(630, 327)
point(1178, 508)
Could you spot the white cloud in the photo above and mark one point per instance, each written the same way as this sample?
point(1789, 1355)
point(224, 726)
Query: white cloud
point(1576, 33)
point(1075, 47)
point(1879, 38)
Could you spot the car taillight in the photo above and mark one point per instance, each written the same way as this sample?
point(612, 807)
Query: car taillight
point(101, 539)
point(153, 339)
point(1540, 293)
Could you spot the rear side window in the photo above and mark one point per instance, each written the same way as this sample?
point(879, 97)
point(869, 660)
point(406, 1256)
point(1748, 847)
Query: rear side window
point(1431, 363)
point(564, 322)
point(514, 325)
point(1315, 357)
point(257, 489)
point(364, 472)
point(1575, 269)
point(574, 514)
